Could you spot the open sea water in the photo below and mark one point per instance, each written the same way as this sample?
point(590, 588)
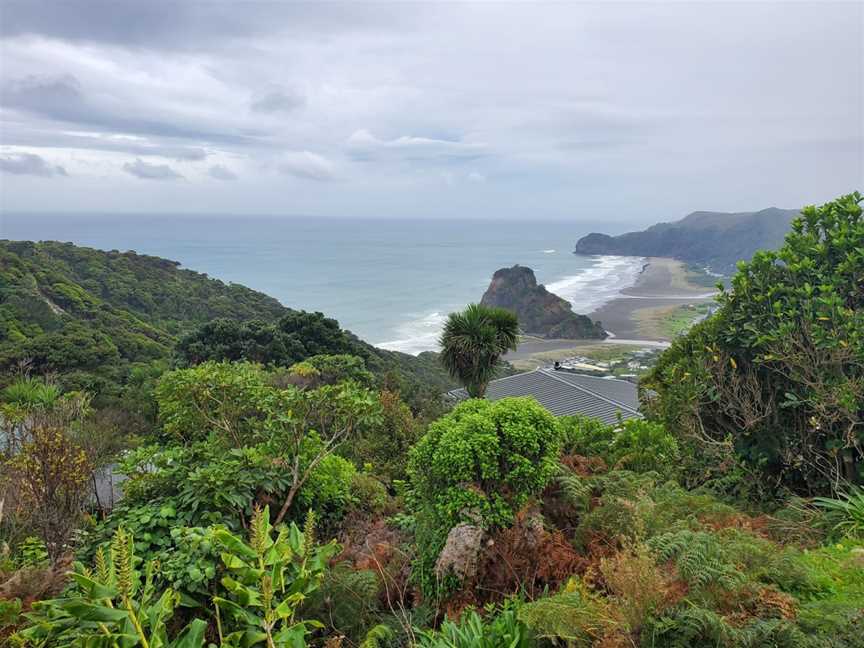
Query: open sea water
point(392, 282)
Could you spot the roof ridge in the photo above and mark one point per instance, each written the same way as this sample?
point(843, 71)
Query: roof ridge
point(611, 401)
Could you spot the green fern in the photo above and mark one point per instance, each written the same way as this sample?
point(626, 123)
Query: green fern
point(576, 490)
point(700, 558)
point(378, 637)
point(574, 616)
point(690, 626)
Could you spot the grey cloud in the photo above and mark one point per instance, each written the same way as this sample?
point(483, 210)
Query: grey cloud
point(363, 145)
point(189, 24)
point(306, 165)
point(116, 144)
point(278, 100)
point(62, 98)
point(29, 164)
point(219, 172)
point(146, 171)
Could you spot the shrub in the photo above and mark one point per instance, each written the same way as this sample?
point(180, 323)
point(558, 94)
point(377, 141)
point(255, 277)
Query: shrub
point(111, 604)
point(779, 369)
point(574, 616)
point(483, 457)
point(634, 444)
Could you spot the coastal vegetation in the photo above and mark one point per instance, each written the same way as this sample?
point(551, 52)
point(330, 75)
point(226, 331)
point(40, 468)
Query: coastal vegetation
point(286, 493)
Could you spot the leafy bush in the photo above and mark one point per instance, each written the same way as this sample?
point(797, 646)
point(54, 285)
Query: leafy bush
point(112, 604)
point(575, 616)
point(778, 371)
point(269, 579)
point(484, 457)
point(634, 444)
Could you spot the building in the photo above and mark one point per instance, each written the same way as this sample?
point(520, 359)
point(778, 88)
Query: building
point(565, 394)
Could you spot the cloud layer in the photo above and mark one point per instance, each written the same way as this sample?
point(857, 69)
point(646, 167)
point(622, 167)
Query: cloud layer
point(629, 112)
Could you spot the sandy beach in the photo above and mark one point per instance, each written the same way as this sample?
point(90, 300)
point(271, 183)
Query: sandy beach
point(638, 318)
point(662, 288)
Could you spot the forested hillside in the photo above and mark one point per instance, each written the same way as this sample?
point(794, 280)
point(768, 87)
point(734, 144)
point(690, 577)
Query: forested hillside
point(99, 319)
point(715, 239)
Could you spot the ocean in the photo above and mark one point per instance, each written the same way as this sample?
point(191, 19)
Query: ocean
point(392, 282)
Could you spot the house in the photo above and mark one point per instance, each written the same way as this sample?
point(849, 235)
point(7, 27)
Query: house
point(565, 394)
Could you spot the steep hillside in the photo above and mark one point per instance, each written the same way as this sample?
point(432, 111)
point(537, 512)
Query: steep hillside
point(91, 315)
point(539, 311)
point(713, 239)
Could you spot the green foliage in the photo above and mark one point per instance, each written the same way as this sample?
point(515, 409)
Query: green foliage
point(112, 604)
point(90, 315)
point(484, 457)
point(700, 558)
point(472, 631)
point(846, 511)
point(634, 444)
point(305, 341)
point(778, 372)
point(227, 400)
point(575, 616)
point(269, 579)
point(473, 342)
point(697, 626)
point(347, 602)
point(385, 446)
point(32, 553)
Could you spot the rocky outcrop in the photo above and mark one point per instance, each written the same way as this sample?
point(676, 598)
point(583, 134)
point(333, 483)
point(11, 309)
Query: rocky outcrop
point(539, 311)
point(461, 552)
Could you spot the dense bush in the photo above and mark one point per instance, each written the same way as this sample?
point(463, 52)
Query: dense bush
point(779, 369)
point(483, 460)
point(634, 444)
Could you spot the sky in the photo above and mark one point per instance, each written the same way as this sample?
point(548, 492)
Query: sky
point(628, 112)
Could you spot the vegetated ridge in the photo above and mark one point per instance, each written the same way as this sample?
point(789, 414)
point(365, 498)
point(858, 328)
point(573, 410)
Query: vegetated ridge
point(539, 311)
point(91, 316)
point(714, 239)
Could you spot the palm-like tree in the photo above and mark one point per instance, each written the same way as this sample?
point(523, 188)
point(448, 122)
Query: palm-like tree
point(473, 342)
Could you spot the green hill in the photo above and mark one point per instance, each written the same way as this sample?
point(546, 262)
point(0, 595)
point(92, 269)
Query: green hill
point(90, 316)
point(714, 239)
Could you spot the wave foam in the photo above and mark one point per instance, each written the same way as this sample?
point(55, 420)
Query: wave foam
point(599, 284)
point(586, 291)
point(417, 335)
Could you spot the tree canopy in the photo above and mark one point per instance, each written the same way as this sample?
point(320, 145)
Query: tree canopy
point(778, 372)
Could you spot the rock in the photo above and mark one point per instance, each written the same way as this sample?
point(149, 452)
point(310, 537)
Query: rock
point(461, 552)
point(539, 311)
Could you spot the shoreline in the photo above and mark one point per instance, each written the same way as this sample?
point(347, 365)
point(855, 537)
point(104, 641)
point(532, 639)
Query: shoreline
point(635, 318)
point(660, 289)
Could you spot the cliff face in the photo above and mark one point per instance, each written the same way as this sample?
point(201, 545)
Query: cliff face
point(539, 311)
point(715, 239)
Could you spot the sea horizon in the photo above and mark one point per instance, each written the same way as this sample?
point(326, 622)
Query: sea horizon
point(390, 282)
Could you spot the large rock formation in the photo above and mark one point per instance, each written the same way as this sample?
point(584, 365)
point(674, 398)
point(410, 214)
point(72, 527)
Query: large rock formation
point(539, 311)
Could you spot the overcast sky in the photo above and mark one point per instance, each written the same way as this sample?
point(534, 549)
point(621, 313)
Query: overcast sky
point(631, 112)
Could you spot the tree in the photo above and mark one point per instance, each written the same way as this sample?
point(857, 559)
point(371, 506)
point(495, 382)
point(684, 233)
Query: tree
point(46, 475)
point(236, 405)
point(777, 374)
point(473, 342)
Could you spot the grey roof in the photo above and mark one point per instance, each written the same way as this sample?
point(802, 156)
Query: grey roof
point(565, 394)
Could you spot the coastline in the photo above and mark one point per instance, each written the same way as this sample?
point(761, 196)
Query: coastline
point(662, 287)
point(636, 318)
